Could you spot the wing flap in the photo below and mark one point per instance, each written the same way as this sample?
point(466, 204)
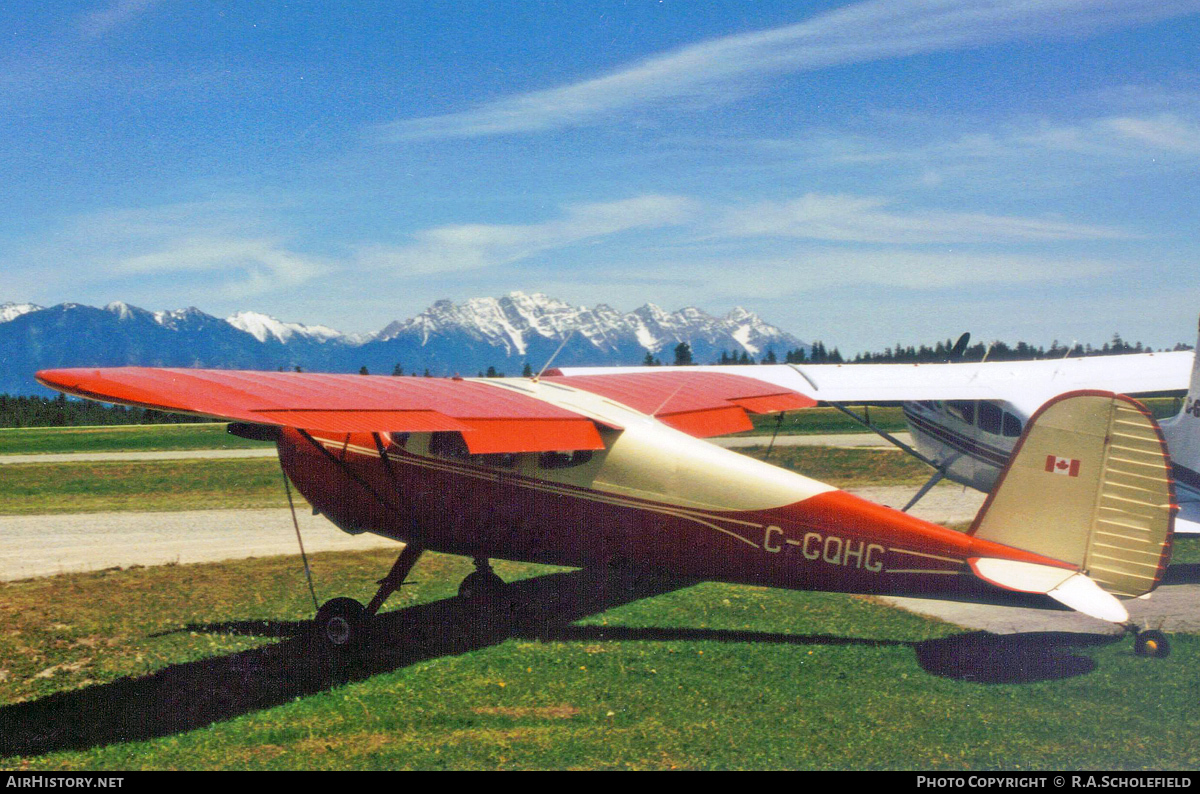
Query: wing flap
point(486, 436)
point(713, 422)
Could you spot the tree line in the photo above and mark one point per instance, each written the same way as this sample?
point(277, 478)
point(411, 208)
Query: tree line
point(61, 412)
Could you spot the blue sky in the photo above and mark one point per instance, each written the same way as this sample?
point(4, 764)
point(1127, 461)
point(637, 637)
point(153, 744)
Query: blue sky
point(862, 173)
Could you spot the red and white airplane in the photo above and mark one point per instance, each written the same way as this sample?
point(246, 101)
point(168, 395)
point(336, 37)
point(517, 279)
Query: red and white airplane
point(610, 470)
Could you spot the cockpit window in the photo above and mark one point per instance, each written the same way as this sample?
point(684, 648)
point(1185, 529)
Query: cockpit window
point(449, 444)
point(1012, 425)
point(990, 420)
point(962, 409)
point(564, 460)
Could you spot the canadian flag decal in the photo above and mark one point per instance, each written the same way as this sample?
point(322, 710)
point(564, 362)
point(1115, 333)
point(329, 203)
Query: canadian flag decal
point(1067, 466)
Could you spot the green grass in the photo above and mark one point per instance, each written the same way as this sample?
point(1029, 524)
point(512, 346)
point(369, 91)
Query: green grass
point(120, 438)
point(846, 467)
point(198, 667)
point(89, 487)
point(195, 667)
point(811, 421)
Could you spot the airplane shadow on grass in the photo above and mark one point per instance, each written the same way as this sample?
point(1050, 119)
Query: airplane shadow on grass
point(192, 695)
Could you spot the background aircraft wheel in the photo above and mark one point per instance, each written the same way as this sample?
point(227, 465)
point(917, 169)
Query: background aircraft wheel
point(340, 623)
point(481, 586)
point(1151, 643)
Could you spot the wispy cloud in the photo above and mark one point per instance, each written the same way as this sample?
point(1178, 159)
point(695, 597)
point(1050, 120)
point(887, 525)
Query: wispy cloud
point(117, 14)
point(230, 247)
point(246, 265)
point(728, 68)
point(472, 246)
point(812, 268)
point(843, 218)
point(1166, 132)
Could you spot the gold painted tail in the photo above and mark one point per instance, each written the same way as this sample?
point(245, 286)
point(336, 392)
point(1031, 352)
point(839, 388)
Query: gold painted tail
point(1089, 484)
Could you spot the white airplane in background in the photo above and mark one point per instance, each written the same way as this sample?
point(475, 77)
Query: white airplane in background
point(966, 418)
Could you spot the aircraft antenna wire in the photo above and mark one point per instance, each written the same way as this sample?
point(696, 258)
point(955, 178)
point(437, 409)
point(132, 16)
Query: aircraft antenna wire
point(546, 366)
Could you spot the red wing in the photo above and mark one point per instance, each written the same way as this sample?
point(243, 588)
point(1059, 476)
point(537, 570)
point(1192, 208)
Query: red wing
point(490, 419)
point(697, 402)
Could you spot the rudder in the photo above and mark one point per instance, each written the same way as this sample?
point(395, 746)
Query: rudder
point(1089, 484)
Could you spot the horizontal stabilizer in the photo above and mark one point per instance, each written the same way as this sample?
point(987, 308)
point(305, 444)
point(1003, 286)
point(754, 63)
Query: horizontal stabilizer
point(1070, 588)
point(1082, 594)
point(1185, 527)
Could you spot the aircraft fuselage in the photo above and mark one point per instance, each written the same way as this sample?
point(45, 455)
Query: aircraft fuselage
point(654, 500)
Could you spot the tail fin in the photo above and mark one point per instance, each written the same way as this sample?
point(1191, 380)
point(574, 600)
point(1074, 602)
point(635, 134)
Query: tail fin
point(1183, 437)
point(1090, 485)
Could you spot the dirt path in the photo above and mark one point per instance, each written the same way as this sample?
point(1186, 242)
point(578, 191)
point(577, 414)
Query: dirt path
point(47, 545)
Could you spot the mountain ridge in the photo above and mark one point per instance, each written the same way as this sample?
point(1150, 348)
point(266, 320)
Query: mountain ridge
point(444, 339)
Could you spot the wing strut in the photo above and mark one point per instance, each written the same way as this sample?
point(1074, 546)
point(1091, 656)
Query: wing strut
point(939, 470)
point(291, 504)
point(778, 423)
point(934, 480)
point(885, 434)
point(346, 469)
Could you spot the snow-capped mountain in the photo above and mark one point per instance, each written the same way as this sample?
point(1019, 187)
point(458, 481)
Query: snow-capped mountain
point(518, 323)
point(263, 327)
point(447, 338)
point(11, 311)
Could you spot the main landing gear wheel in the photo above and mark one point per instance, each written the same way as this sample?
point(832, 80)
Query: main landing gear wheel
point(340, 623)
point(1151, 643)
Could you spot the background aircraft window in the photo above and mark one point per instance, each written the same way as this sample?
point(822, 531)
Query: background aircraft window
point(448, 444)
point(1012, 425)
point(990, 418)
point(962, 409)
point(397, 440)
point(563, 460)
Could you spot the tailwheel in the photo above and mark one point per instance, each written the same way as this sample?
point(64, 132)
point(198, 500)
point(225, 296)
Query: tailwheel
point(1151, 643)
point(341, 623)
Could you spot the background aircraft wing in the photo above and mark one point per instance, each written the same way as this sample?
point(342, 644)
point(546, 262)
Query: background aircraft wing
point(490, 419)
point(1023, 383)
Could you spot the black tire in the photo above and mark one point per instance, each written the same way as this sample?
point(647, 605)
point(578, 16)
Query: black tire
point(340, 624)
point(1152, 643)
point(481, 586)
